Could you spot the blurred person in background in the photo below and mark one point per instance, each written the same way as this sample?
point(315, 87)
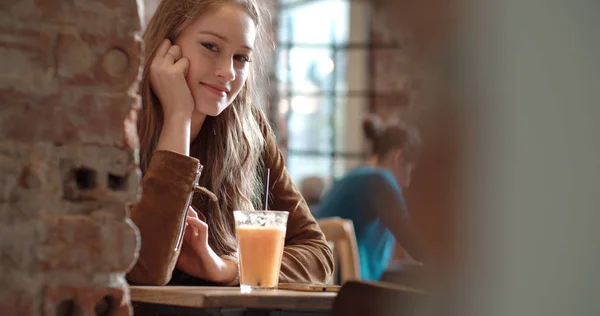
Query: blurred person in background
point(371, 196)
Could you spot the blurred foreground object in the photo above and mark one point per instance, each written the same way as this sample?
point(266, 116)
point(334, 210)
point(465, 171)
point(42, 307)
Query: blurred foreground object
point(68, 160)
point(357, 298)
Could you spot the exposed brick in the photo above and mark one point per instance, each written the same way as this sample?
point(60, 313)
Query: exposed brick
point(110, 62)
point(76, 59)
point(9, 169)
point(27, 68)
point(84, 244)
point(17, 243)
point(18, 303)
point(74, 56)
point(68, 167)
point(44, 206)
point(87, 300)
point(115, 61)
point(112, 172)
point(104, 118)
point(73, 116)
point(108, 18)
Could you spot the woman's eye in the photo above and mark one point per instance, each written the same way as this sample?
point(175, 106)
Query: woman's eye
point(242, 58)
point(210, 46)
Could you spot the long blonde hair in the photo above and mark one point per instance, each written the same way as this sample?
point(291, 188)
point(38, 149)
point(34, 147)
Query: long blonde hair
point(230, 145)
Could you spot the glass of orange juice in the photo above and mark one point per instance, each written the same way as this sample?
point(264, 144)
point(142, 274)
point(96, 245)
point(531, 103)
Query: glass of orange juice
point(260, 237)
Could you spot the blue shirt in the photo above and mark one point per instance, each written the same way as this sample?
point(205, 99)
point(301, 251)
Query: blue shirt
point(373, 200)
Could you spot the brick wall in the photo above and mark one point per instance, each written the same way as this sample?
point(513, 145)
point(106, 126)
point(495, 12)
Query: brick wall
point(68, 76)
point(416, 29)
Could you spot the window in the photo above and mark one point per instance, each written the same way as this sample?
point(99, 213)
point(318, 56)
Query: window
point(322, 73)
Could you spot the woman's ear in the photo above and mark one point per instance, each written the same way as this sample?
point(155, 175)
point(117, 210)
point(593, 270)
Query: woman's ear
point(398, 157)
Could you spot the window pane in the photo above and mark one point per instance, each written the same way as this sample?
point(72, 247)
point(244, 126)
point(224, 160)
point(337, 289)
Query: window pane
point(305, 70)
point(309, 124)
point(321, 73)
point(316, 22)
point(354, 74)
point(349, 114)
point(302, 166)
point(282, 69)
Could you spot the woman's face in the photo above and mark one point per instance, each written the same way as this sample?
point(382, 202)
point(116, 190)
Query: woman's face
point(219, 47)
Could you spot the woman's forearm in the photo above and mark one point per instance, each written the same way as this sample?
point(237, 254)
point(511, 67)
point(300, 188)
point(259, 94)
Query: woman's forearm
point(175, 135)
point(204, 263)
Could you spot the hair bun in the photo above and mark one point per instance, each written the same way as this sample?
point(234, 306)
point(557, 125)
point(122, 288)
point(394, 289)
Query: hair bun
point(372, 127)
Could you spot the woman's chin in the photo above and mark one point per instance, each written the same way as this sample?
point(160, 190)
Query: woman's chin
point(210, 110)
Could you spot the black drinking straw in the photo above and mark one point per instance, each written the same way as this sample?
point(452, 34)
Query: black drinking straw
point(266, 206)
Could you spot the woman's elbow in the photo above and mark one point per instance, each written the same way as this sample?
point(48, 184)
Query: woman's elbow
point(140, 276)
point(329, 264)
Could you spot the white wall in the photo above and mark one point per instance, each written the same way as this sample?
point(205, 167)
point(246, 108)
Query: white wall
point(534, 199)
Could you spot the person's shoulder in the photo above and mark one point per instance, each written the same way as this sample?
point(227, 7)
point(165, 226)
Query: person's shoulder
point(379, 181)
point(371, 174)
point(364, 179)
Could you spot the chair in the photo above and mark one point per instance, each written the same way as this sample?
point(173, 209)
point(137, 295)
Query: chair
point(340, 232)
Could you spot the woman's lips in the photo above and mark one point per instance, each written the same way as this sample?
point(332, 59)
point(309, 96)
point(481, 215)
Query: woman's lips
point(216, 90)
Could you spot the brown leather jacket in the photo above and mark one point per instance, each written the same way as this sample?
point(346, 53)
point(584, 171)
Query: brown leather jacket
point(160, 216)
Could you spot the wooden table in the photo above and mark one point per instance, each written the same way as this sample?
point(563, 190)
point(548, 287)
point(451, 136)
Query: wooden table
point(201, 300)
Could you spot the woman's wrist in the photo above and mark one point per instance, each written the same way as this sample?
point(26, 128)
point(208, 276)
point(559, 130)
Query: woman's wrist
point(175, 134)
point(176, 117)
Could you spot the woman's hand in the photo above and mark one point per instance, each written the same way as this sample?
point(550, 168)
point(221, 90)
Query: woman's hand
point(197, 258)
point(167, 79)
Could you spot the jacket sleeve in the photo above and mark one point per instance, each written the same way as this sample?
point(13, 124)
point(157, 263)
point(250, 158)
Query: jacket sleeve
point(167, 188)
point(307, 258)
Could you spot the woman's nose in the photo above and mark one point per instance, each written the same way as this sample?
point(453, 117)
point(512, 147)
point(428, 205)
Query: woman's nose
point(225, 69)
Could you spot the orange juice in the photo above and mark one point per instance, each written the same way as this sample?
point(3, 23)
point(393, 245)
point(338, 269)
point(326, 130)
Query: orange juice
point(260, 250)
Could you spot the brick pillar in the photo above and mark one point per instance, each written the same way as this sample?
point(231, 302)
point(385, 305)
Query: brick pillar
point(68, 167)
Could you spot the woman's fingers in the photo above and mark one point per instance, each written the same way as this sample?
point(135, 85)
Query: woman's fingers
point(192, 212)
point(163, 48)
point(195, 231)
point(183, 64)
point(174, 51)
point(197, 224)
point(190, 234)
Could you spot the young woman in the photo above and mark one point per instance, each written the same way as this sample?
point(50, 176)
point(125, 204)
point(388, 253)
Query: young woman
point(200, 130)
point(372, 198)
